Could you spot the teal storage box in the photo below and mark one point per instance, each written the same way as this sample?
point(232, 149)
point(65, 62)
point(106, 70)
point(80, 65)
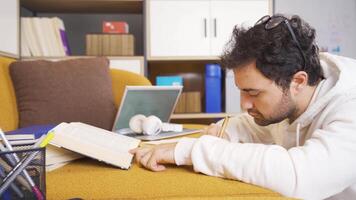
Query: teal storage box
point(169, 80)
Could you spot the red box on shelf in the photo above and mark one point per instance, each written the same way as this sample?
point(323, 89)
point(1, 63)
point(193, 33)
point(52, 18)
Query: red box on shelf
point(115, 27)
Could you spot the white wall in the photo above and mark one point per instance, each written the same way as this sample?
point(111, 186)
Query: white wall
point(334, 21)
point(9, 28)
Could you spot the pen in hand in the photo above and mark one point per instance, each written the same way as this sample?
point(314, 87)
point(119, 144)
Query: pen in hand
point(223, 127)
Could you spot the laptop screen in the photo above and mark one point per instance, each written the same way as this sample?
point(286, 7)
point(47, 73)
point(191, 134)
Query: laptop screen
point(147, 100)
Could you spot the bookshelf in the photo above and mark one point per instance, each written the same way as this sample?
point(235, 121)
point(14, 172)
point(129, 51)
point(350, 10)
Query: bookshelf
point(82, 17)
point(192, 72)
point(84, 6)
point(172, 37)
point(199, 31)
point(133, 64)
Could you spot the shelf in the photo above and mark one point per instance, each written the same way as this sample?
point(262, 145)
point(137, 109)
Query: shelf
point(133, 64)
point(72, 57)
point(185, 58)
point(201, 115)
point(84, 6)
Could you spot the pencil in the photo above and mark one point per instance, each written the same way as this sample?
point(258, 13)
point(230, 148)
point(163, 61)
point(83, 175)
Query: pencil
point(223, 127)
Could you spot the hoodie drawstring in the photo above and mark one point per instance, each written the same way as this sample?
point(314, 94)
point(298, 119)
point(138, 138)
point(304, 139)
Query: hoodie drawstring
point(297, 135)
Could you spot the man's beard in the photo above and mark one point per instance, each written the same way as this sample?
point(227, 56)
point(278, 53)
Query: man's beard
point(284, 109)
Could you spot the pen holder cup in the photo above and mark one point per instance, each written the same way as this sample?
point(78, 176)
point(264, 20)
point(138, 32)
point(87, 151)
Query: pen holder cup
point(35, 170)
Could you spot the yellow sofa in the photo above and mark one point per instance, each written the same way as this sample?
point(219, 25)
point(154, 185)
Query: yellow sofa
point(91, 179)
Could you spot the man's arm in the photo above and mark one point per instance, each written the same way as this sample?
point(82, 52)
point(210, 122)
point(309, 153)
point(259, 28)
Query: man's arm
point(324, 166)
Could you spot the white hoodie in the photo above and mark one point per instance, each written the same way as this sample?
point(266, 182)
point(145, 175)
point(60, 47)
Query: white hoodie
point(323, 166)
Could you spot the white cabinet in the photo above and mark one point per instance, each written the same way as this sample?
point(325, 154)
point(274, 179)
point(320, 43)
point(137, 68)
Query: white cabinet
point(178, 28)
point(194, 28)
point(225, 14)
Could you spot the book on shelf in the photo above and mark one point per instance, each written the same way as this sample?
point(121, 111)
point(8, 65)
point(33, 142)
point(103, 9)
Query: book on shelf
point(193, 102)
point(43, 36)
point(97, 143)
point(62, 35)
point(28, 38)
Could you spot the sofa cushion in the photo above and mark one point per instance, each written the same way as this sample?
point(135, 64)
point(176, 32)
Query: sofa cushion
point(65, 91)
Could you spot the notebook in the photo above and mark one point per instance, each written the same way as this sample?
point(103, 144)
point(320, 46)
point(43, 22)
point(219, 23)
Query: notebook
point(27, 135)
point(96, 143)
point(148, 100)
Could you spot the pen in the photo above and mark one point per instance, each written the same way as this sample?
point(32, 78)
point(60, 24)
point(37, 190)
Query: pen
point(222, 130)
point(13, 186)
point(20, 179)
point(43, 140)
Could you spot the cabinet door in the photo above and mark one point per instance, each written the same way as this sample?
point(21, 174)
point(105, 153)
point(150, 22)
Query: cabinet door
point(134, 64)
point(179, 28)
point(225, 14)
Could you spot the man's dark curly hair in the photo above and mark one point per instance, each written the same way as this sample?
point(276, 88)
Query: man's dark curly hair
point(276, 54)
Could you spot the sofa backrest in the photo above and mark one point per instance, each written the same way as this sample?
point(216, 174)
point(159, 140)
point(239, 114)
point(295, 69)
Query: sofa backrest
point(9, 117)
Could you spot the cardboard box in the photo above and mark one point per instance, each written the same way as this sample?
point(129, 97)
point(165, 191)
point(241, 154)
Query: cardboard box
point(110, 45)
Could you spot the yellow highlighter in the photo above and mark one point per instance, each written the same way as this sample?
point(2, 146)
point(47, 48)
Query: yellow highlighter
point(47, 139)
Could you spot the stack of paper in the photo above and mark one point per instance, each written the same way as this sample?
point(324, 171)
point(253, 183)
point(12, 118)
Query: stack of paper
point(57, 157)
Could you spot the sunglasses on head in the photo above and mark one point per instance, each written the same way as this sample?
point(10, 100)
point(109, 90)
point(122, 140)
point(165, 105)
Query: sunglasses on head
point(274, 21)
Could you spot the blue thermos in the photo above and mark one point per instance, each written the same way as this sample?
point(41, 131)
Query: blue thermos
point(212, 88)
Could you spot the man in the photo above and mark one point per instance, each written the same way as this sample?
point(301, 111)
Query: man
point(298, 136)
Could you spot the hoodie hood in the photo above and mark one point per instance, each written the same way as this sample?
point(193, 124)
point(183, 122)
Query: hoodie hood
point(338, 73)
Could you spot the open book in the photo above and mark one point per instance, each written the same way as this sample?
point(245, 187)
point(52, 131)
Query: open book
point(103, 145)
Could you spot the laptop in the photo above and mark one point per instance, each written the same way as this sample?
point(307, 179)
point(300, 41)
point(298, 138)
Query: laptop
point(148, 100)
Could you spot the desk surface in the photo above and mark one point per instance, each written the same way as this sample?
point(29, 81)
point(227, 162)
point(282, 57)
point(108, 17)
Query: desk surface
point(91, 179)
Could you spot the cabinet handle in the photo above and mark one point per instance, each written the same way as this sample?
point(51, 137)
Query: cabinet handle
point(205, 31)
point(215, 31)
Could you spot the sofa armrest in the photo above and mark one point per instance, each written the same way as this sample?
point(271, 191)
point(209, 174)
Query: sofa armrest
point(121, 78)
point(9, 117)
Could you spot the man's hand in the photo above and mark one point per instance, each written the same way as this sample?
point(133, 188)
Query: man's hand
point(152, 157)
point(213, 129)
